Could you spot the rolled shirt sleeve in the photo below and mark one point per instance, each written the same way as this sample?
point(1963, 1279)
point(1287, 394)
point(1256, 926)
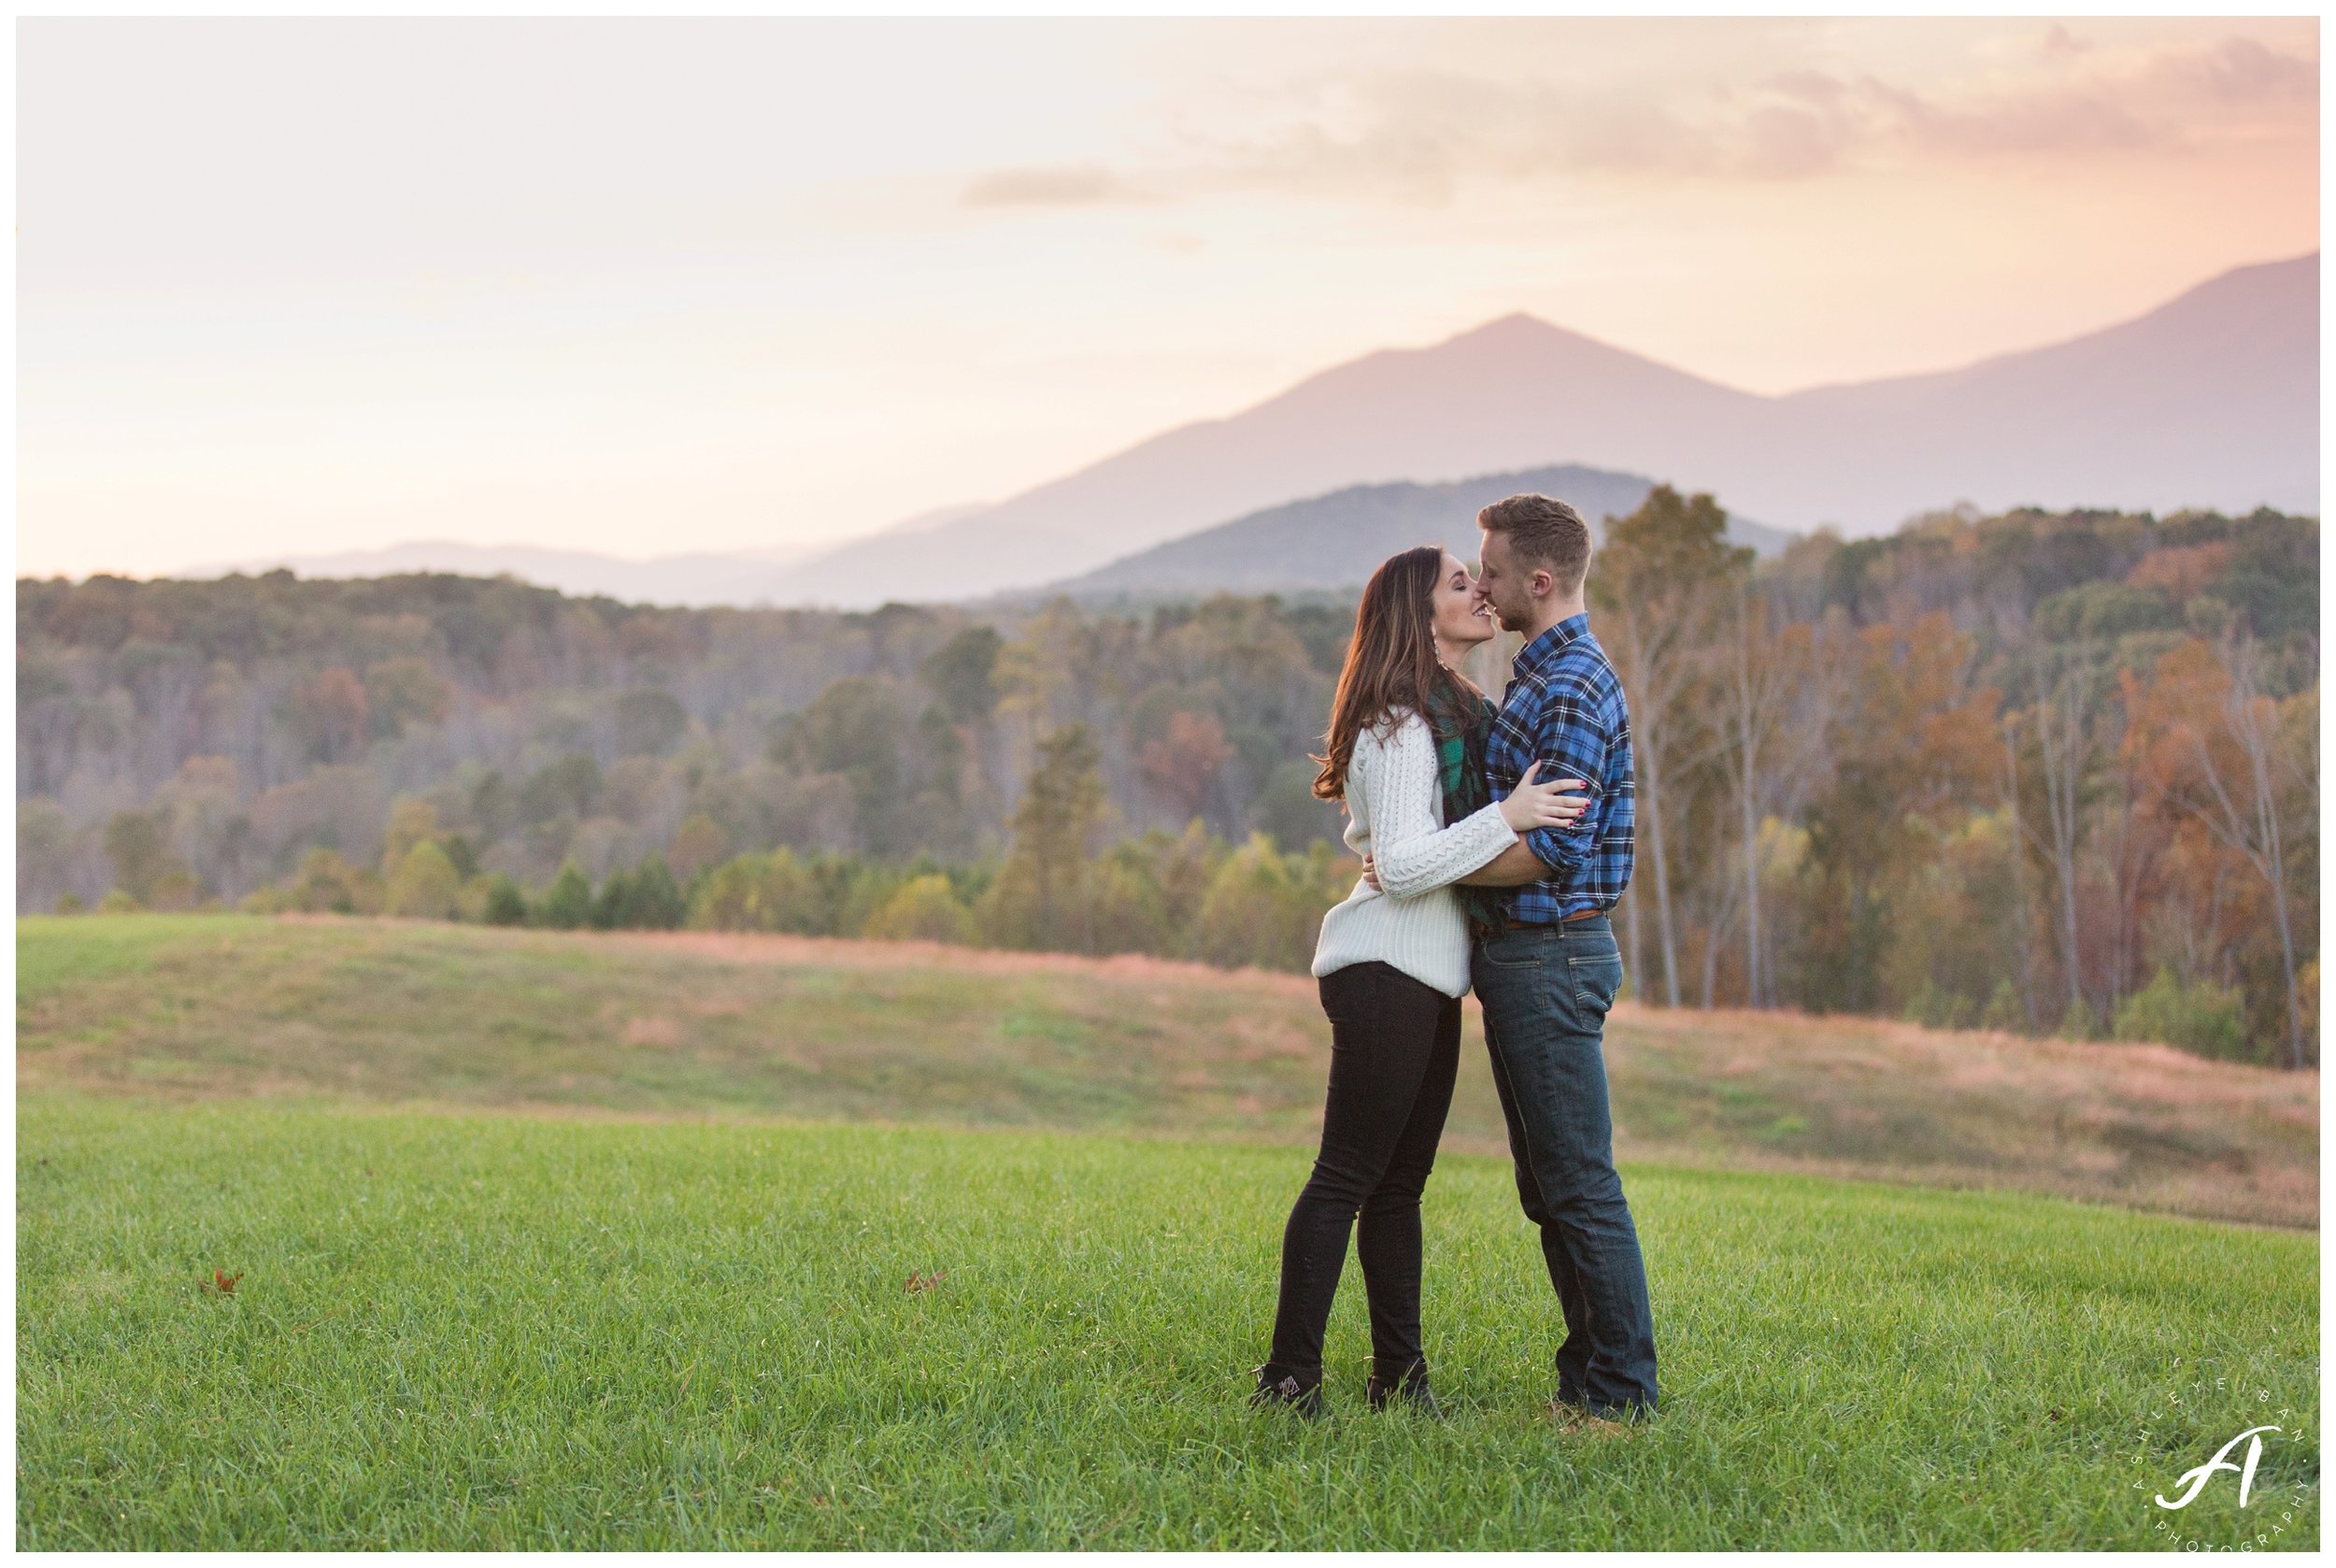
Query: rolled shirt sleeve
point(1569, 743)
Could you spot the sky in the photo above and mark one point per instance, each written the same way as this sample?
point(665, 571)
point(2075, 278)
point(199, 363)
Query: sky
point(645, 286)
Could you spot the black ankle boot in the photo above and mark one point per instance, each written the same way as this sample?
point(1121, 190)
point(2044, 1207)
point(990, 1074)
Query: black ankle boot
point(1411, 1388)
point(1278, 1386)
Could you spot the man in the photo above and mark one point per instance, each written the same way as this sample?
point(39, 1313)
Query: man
point(1548, 972)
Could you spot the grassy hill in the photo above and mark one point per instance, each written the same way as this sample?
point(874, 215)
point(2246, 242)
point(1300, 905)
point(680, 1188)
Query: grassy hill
point(706, 1024)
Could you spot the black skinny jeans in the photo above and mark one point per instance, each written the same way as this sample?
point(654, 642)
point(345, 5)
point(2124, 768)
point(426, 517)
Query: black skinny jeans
point(1394, 1052)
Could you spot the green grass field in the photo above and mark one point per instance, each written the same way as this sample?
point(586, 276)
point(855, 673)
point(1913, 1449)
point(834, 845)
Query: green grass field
point(527, 1259)
point(498, 1332)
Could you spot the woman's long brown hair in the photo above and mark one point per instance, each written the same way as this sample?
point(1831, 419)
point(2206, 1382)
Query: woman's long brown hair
point(1390, 661)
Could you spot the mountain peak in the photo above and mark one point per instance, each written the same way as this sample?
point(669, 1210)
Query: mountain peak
point(1515, 323)
point(1518, 331)
point(2210, 401)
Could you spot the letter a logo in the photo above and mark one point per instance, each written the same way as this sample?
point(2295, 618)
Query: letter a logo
point(2222, 1461)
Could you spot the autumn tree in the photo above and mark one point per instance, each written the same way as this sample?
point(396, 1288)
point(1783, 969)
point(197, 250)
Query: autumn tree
point(2224, 756)
point(1184, 763)
point(141, 854)
point(1661, 582)
point(854, 730)
point(699, 842)
point(423, 884)
point(1914, 745)
point(1043, 897)
point(332, 714)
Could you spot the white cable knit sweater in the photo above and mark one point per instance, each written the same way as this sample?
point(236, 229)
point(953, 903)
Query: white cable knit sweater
point(1395, 809)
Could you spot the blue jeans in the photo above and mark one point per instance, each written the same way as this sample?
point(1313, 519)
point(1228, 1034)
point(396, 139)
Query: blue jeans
point(1545, 991)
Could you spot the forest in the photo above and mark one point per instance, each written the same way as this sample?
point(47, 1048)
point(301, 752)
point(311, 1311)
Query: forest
point(2051, 773)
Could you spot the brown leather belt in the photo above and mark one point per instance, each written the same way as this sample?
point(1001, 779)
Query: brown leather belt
point(1579, 915)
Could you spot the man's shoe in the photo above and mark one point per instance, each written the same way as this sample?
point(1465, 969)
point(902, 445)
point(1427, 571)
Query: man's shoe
point(1572, 1418)
point(1581, 1422)
point(1410, 1389)
point(1277, 1386)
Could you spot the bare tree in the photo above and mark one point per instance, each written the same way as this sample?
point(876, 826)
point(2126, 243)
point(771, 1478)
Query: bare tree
point(2064, 747)
point(1763, 670)
point(2128, 838)
point(1650, 647)
point(2241, 804)
point(2009, 725)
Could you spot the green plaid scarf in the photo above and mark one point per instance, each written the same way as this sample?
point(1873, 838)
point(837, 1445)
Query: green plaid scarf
point(1461, 720)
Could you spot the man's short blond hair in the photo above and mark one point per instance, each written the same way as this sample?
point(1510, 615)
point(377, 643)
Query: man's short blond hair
point(1542, 532)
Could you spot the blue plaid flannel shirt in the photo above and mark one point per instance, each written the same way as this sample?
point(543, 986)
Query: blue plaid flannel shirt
point(1564, 707)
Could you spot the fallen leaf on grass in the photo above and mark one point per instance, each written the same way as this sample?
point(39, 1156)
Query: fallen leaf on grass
point(919, 1281)
point(223, 1283)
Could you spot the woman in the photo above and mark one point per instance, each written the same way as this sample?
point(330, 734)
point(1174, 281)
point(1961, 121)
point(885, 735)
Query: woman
point(1392, 965)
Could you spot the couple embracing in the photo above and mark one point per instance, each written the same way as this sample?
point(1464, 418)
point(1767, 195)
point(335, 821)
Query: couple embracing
point(1495, 842)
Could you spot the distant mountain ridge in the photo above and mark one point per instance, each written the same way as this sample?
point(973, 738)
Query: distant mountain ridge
point(1335, 541)
point(695, 580)
point(2211, 400)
